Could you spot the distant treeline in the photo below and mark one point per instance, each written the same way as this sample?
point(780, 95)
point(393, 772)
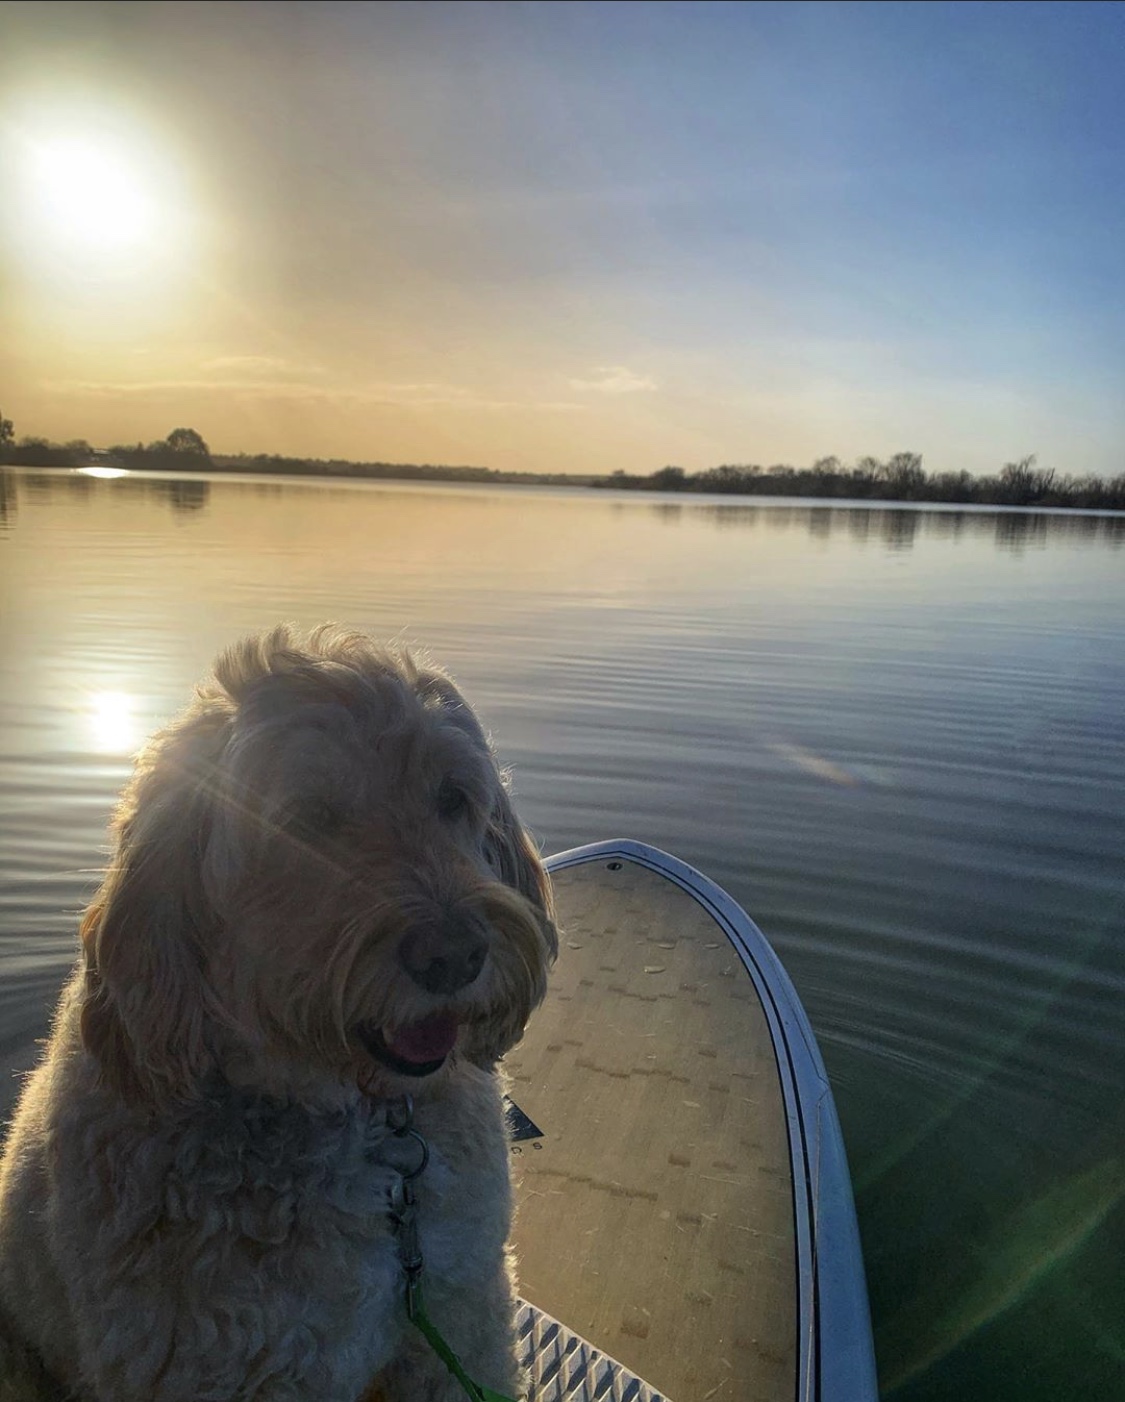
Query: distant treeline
point(339, 467)
point(184, 450)
point(900, 478)
point(410, 471)
point(390, 471)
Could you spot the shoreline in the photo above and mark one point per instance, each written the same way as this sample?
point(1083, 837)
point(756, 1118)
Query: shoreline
point(476, 477)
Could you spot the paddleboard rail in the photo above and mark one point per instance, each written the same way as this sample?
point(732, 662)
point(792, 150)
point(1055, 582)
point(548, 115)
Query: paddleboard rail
point(835, 1354)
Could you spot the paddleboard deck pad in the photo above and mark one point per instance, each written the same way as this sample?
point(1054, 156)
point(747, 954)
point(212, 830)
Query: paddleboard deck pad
point(567, 1368)
point(683, 1200)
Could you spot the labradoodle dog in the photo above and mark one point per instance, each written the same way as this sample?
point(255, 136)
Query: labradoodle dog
point(319, 901)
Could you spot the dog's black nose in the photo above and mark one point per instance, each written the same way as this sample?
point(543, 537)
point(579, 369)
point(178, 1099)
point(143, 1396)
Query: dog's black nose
point(444, 958)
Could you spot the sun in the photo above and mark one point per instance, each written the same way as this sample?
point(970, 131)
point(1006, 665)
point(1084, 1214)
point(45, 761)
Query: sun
point(89, 195)
point(95, 197)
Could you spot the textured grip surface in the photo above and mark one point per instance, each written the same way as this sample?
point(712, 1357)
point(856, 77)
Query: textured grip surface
point(565, 1368)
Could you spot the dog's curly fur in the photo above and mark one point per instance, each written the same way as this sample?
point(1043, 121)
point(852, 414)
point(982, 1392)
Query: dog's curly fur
point(319, 899)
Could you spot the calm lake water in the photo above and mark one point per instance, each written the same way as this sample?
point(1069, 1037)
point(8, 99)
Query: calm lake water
point(896, 736)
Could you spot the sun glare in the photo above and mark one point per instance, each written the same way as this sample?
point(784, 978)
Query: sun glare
point(113, 722)
point(97, 198)
point(89, 195)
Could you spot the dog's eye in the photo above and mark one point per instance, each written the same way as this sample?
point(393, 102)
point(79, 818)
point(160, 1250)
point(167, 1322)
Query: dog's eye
point(452, 799)
point(312, 817)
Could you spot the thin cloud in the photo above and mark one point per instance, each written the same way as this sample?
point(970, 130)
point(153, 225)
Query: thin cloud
point(259, 365)
point(141, 389)
point(391, 396)
point(615, 379)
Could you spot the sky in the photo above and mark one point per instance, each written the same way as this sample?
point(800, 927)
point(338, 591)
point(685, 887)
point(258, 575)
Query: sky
point(568, 237)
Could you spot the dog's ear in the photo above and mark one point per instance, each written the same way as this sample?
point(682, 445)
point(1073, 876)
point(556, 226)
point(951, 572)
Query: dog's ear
point(532, 945)
point(148, 1004)
point(516, 859)
point(514, 855)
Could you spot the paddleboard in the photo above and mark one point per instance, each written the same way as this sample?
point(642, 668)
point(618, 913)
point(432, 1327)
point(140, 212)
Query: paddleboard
point(685, 1226)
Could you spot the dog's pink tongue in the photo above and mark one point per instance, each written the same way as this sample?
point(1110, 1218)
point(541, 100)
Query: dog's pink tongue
point(431, 1039)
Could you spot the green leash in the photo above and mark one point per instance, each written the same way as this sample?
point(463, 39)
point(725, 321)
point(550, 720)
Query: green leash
point(404, 1215)
point(416, 1309)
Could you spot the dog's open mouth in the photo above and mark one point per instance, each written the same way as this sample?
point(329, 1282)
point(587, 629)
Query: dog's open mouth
point(418, 1049)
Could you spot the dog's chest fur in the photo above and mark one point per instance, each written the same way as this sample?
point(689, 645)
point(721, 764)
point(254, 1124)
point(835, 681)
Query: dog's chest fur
point(246, 1241)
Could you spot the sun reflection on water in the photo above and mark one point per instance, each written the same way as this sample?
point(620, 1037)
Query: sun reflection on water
point(113, 722)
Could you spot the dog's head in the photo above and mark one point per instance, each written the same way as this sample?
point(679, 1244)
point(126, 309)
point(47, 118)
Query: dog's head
point(317, 865)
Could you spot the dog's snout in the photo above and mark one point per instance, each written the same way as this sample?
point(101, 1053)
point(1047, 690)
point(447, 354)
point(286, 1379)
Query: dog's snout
point(444, 958)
